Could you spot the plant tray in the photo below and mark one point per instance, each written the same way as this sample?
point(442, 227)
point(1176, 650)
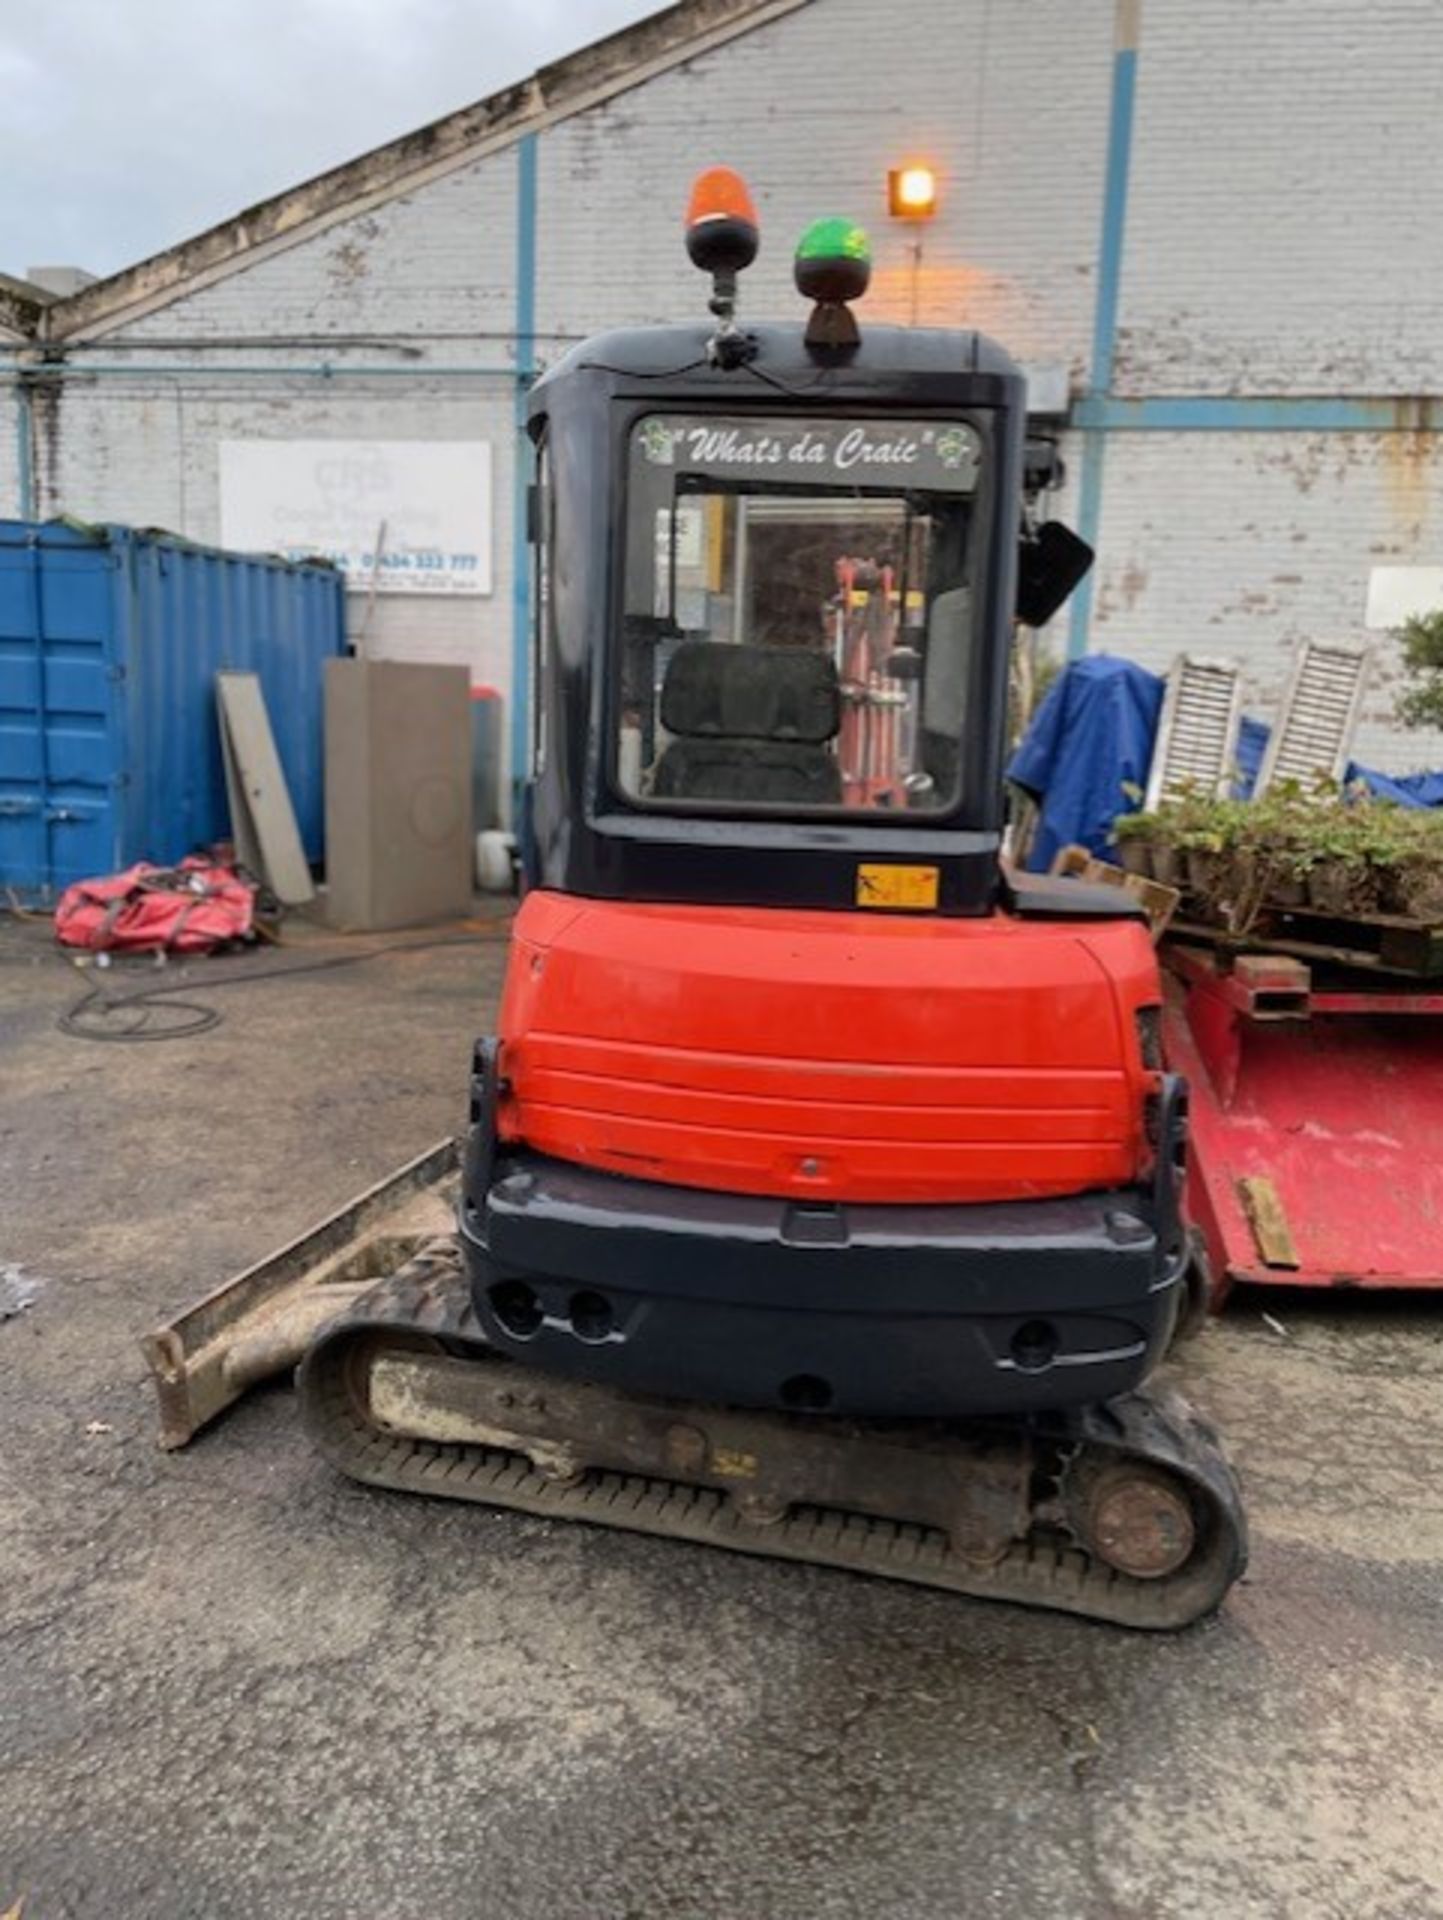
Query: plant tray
point(1160, 902)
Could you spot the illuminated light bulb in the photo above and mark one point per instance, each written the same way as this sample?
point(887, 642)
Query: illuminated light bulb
point(912, 193)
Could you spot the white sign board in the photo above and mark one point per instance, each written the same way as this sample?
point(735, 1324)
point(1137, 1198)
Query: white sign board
point(1396, 593)
point(414, 516)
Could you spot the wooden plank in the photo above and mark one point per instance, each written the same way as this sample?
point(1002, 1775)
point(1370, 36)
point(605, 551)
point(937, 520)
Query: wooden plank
point(242, 827)
point(1271, 973)
point(263, 793)
point(1418, 949)
point(1262, 987)
point(1268, 1221)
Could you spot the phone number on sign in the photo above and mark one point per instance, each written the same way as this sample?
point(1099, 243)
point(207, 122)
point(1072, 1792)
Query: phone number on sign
point(420, 568)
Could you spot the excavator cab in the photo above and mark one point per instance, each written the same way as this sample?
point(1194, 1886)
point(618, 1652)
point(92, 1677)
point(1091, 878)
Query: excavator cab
point(800, 1100)
point(821, 1190)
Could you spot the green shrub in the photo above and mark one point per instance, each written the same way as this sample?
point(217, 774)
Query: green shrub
point(1421, 638)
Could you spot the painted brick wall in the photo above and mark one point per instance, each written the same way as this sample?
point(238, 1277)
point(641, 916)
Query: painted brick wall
point(1283, 232)
point(814, 108)
point(1240, 544)
point(9, 454)
point(435, 267)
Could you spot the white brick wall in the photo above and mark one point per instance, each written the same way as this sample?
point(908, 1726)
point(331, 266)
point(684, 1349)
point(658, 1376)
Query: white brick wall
point(1240, 544)
point(1283, 232)
point(118, 451)
point(437, 267)
point(9, 454)
point(814, 109)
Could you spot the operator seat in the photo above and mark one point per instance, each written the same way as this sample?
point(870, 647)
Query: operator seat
point(750, 723)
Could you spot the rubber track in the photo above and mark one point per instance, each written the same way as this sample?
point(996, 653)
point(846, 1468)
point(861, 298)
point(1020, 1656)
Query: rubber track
point(428, 1297)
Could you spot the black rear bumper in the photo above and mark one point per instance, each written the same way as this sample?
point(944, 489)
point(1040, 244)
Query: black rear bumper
point(877, 1311)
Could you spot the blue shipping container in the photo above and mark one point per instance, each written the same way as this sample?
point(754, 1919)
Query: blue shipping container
point(110, 641)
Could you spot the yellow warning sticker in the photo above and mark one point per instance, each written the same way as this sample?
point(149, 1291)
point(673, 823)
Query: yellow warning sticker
point(886, 886)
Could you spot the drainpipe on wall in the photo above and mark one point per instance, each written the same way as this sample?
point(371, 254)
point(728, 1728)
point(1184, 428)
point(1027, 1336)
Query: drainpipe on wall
point(1127, 29)
point(25, 446)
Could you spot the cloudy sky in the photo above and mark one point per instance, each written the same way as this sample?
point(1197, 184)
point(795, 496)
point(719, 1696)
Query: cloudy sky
point(130, 124)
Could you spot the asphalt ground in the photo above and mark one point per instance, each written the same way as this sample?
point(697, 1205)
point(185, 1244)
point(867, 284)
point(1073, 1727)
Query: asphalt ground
point(233, 1685)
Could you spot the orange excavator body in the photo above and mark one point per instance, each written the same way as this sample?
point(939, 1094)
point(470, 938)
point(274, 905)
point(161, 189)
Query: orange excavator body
point(826, 1056)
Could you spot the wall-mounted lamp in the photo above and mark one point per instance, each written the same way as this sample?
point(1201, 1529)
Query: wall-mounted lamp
point(912, 193)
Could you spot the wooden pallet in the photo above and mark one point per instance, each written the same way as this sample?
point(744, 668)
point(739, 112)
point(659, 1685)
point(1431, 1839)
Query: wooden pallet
point(1384, 943)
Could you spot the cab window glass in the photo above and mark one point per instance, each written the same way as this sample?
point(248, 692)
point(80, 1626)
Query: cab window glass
point(797, 624)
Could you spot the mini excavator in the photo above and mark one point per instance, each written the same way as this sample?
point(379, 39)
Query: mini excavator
point(821, 1196)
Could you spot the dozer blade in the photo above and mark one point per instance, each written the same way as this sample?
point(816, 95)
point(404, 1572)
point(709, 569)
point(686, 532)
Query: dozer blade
point(260, 1322)
point(1127, 1512)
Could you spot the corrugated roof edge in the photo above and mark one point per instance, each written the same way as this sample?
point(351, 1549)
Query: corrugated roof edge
point(66, 530)
point(594, 73)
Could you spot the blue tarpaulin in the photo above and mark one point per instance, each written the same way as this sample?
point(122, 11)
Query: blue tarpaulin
point(1407, 789)
point(1091, 739)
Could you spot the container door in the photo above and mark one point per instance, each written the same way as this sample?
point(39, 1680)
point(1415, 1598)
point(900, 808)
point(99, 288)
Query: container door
point(58, 739)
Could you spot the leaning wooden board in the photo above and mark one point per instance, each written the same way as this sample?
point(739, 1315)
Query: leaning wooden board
point(263, 820)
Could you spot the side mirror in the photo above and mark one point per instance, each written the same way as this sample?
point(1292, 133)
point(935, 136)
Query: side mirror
point(1051, 562)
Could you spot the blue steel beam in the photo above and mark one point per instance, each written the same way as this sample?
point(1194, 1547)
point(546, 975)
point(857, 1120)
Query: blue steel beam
point(1127, 26)
point(1099, 413)
point(1114, 193)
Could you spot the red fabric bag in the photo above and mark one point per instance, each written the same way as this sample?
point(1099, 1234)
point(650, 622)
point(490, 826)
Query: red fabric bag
point(191, 908)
